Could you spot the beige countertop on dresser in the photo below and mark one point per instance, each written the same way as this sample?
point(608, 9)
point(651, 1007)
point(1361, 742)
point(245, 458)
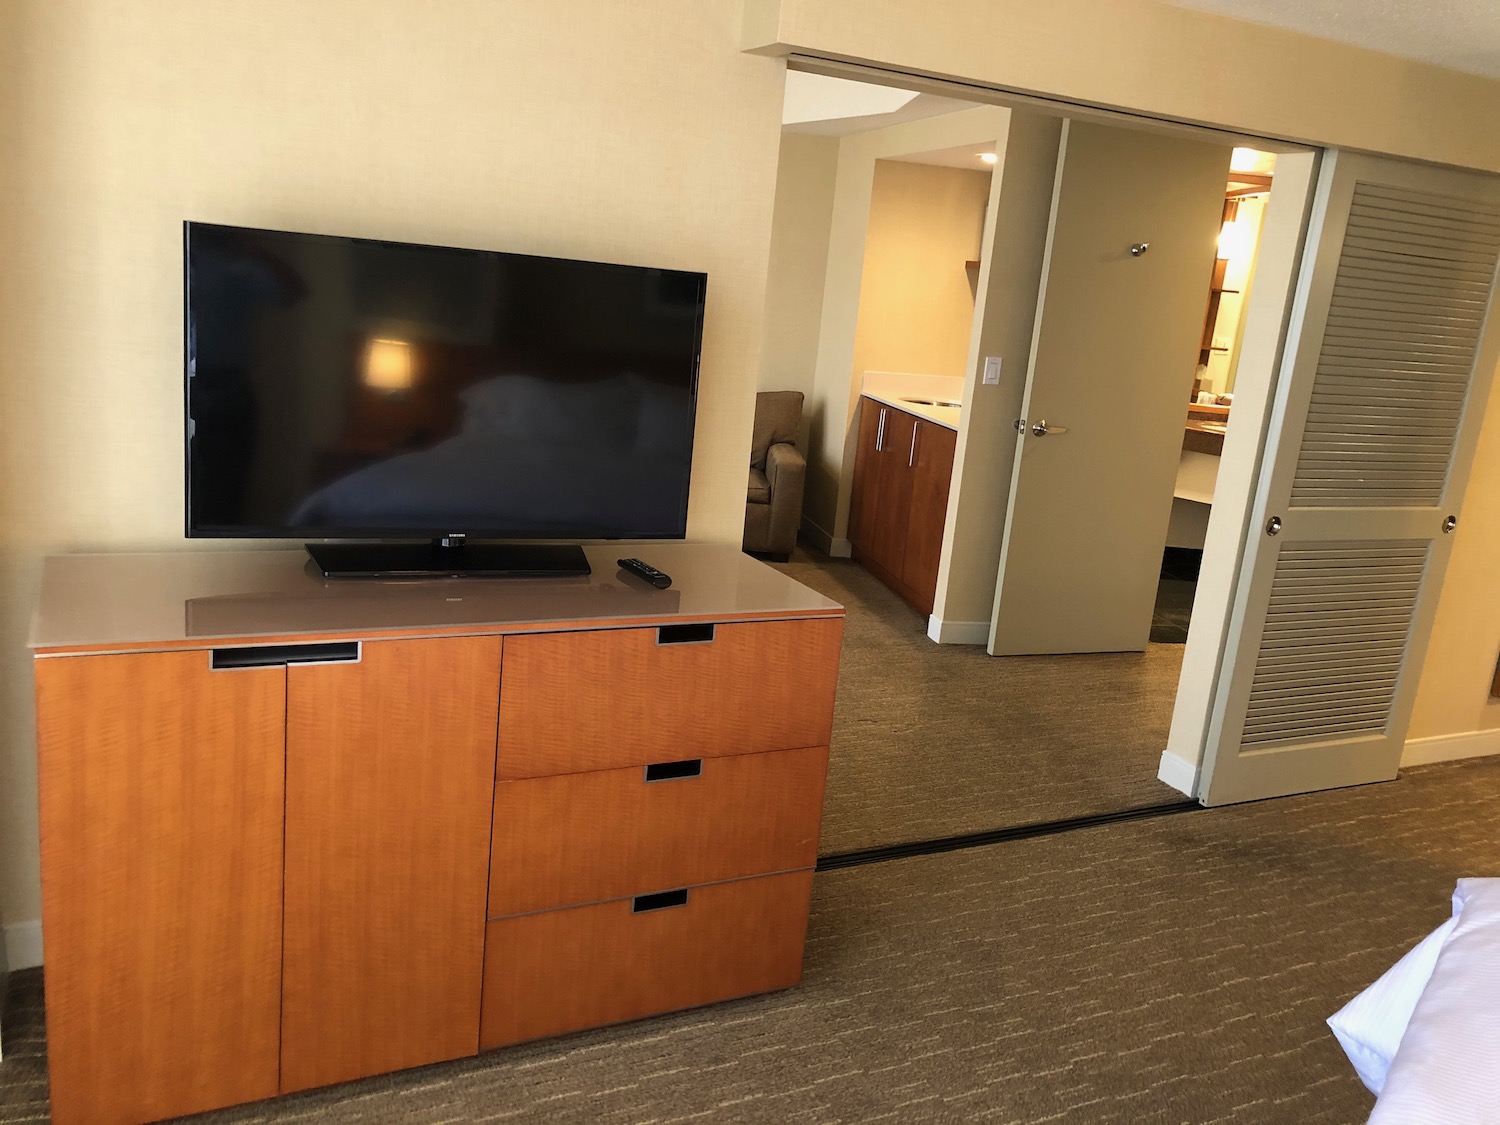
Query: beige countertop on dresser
point(119, 602)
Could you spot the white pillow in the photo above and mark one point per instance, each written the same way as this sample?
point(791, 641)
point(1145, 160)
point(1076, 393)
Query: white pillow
point(1370, 1026)
point(1447, 1071)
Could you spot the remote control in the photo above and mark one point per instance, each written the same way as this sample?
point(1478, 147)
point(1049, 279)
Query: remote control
point(649, 573)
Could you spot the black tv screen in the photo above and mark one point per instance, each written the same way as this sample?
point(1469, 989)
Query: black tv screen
point(351, 388)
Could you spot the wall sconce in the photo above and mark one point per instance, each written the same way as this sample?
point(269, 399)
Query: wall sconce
point(1252, 160)
point(1234, 240)
point(388, 366)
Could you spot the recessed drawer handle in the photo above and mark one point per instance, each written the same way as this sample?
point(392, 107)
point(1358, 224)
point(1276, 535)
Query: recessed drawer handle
point(685, 634)
point(659, 901)
point(672, 771)
point(272, 656)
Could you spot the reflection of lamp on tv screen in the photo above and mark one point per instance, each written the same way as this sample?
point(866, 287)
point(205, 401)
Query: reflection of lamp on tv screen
point(342, 388)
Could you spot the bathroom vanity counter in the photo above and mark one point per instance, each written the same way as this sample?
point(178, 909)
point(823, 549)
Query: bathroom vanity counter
point(935, 410)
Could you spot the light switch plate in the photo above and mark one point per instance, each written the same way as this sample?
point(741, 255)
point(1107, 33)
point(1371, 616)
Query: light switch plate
point(992, 370)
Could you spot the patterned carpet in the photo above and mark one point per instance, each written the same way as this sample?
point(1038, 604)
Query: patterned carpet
point(937, 740)
point(1169, 970)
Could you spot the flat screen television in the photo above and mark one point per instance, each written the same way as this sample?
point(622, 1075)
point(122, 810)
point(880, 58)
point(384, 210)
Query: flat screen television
point(429, 405)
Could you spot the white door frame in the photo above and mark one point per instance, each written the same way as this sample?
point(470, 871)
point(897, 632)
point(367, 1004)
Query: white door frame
point(1208, 654)
point(1274, 302)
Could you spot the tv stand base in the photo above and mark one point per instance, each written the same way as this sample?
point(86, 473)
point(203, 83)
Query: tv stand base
point(434, 560)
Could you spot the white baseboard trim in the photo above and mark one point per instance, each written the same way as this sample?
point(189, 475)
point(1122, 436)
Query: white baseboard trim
point(23, 944)
point(1179, 773)
point(1450, 747)
point(958, 632)
point(825, 542)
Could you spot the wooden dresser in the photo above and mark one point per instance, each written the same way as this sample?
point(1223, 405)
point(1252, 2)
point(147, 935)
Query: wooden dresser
point(296, 832)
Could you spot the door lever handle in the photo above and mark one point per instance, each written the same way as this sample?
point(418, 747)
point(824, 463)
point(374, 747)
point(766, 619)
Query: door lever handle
point(1041, 429)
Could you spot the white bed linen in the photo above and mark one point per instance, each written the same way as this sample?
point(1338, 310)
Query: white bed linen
point(1446, 1070)
point(1370, 1026)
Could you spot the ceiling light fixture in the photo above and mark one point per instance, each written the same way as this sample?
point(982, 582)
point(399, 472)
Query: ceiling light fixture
point(988, 157)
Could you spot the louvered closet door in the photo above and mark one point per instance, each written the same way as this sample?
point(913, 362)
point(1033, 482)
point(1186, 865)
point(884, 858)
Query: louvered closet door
point(1385, 372)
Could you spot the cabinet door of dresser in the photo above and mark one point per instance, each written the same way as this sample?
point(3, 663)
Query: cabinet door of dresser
point(390, 779)
point(161, 817)
point(609, 698)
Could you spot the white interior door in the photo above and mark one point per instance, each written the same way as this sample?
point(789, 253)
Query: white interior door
point(1386, 368)
point(1113, 353)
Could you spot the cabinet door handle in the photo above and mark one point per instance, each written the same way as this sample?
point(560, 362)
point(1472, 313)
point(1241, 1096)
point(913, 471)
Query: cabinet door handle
point(698, 632)
point(911, 458)
point(659, 901)
point(273, 656)
point(880, 433)
point(673, 771)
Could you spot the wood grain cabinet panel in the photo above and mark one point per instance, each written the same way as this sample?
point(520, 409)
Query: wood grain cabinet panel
point(565, 840)
point(161, 824)
point(562, 970)
point(573, 702)
point(390, 766)
point(931, 476)
point(902, 472)
point(882, 487)
point(866, 490)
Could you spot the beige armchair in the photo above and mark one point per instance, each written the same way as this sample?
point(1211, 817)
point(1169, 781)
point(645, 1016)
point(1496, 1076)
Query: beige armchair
point(778, 472)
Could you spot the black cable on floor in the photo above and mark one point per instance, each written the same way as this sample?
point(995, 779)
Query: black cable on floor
point(997, 836)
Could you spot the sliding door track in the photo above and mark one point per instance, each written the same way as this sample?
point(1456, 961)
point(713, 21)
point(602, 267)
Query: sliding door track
point(998, 836)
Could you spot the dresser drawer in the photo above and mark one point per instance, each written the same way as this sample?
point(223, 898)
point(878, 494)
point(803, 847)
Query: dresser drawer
point(604, 699)
point(563, 970)
point(578, 838)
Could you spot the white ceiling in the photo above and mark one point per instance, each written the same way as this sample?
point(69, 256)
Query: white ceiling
point(836, 107)
point(814, 98)
point(1461, 34)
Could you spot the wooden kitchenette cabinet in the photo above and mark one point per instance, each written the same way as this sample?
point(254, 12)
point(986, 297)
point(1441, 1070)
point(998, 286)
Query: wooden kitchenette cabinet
point(903, 466)
point(296, 832)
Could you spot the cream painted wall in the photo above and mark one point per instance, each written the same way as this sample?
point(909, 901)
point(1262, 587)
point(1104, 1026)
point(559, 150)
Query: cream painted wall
point(628, 132)
point(916, 306)
point(800, 228)
point(835, 383)
point(1453, 695)
point(1139, 55)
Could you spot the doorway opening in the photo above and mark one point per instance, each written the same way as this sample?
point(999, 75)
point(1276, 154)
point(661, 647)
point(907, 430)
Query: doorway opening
point(1211, 399)
point(934, 738)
